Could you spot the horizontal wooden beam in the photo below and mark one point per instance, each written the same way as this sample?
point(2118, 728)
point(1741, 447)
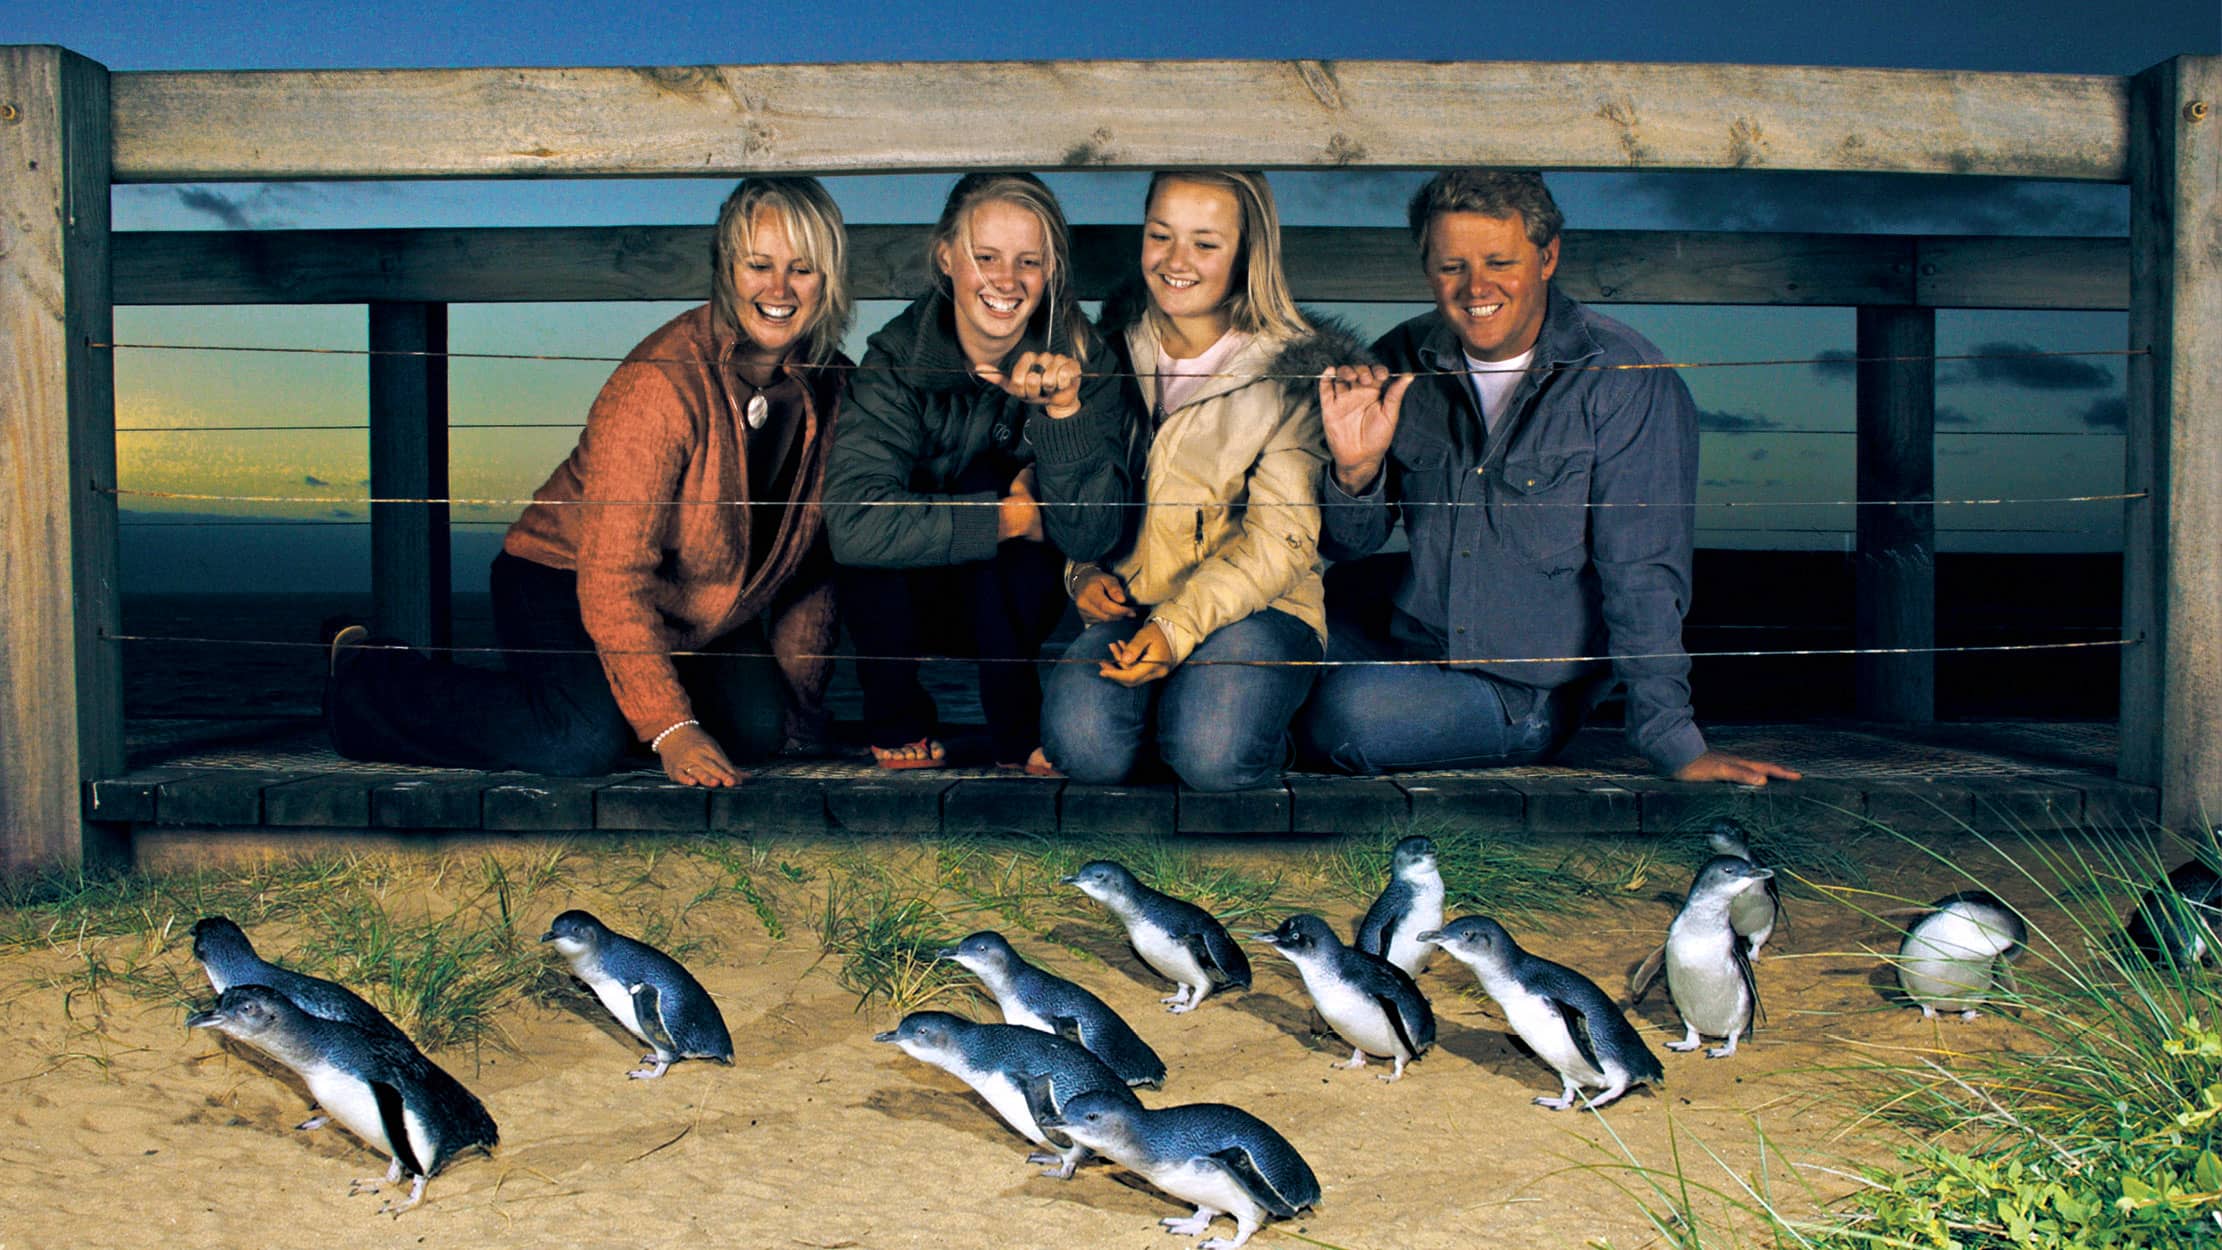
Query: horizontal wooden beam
point(1324, 264)
point(723, 120)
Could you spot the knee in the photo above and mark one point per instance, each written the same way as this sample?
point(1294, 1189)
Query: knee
point(1225, 755)
point(1087, 749)
point(577, 749)
point(1332, 731)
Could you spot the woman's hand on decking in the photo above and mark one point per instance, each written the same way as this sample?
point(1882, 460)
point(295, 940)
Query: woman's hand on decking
point(692, 757)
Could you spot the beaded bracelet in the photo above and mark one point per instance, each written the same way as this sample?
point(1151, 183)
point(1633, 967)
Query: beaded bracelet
point(657, 743)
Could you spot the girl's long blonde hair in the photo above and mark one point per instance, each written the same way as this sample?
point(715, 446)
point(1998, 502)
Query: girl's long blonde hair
point(1258, 299)
point(814, 229)
point(1059, 310)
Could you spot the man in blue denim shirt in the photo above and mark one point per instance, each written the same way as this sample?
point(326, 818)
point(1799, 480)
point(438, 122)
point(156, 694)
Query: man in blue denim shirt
point(1547, 483)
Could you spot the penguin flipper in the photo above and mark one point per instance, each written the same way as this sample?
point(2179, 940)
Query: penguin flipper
point(1238, 1163)
point(1742, 957)
point(1646, 974)
point(1220, 952)
point(648, 1009)
point(1068, 1027)
point(395, 1121)
point(1040, 1092)
point(1124, 1052)
point(1404, 1028)
point(1577, 1028)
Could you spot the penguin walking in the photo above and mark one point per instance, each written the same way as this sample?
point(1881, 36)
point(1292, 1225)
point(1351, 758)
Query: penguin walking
point(2177, 920)
point(1025, 1075)
point(1365, 998)
point(1708, 972)
point(1753, 913)
point(383, 1091)
point(1035, 999)
point(1178, 940)
point(1561, 1014)
point(1411, 904)
point(1952, 957)
point(656, 1000)
point(1223, 1159)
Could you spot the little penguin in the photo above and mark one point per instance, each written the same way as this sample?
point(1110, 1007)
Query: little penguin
point(1025, 1075)
point(1036, 999)
point(2177, 920)
point(1179, 940)
point(1952, 957)
point(656, 1000)
point(1413, 902)
point(1708, 972)
point(1753, 913)
point(383, 1091)
point(1561, 1014)
point(229, 959)
point(1223, 1159)
point(1365, 998)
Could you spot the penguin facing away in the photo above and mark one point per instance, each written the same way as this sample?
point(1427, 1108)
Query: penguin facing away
point(1753, 914)
point(229, 959)
point(1178, 940)
point(1411, 903)
point(1708, 971)
point(1561, 1014)
point(1025, 1075)
point(1952, 957)
point(2177, 920)
point(656, 1000)
point(1365, 998)
point(1035, 999)
point(1221, 1158)
point(384, 1092)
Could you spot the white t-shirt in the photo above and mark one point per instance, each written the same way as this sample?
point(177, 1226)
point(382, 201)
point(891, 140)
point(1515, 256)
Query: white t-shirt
point(1494, 381)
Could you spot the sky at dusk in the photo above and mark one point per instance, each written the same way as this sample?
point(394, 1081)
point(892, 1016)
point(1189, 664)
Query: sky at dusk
point(1779, 433)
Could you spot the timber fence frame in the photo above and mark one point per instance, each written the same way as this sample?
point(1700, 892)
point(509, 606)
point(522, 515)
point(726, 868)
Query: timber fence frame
point(70, 129)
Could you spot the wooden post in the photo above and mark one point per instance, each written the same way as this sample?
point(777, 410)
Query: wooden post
point(408, 460)
point(61, 688)
point(2171, 728)
point(1895, 567)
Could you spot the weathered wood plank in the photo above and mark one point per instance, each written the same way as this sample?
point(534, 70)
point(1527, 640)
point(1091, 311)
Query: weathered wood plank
point(218, 796)
point(2025, 805)
point(130, 798)
point(907, 116)
point(2172, 564)
point(61, 689)
point(562, 263)
point(408, 460)
point(1265, 810)
point(429, 801)
point(898, 805)
point(1002, 805)
point(1576, 805)
point(1895, 565)
point(1466, 804)
point(652, 804)
point(540, 805)
point(1144, 811)
point(332, 801)
point(1358, 806)
point(1921, 805)
point(770, 805)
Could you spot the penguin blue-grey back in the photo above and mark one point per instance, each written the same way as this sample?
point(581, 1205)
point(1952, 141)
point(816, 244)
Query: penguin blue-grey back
point(1411, 903)
point(1372, 1003)
point(1025, 1075)
point(229, 959)
point(1953, 957)
point(385, 1092)
point(656, 999)
point(1036, 999)
point(1178, 940)
point(2177, 920)
point(1221, 1158)
point(1562, 1016)
point(1754, 914)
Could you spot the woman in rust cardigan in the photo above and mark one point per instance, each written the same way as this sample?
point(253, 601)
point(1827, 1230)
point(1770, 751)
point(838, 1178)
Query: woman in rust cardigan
point(687, 520)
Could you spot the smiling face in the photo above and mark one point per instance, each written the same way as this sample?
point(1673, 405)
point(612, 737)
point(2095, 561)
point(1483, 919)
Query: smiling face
point(1191, 240)
point(996, 283)
point(776, 289)
point(1490, 281)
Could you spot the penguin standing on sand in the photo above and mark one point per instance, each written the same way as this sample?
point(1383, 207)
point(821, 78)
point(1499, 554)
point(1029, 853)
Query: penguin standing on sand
point(1708, 971)
point(656, 1000)
point(1412, 904)
point(1561, 1014)
point(1221, 1158)
point(1365, 998)
point(1952, 957)
point(1035, 999)
point(384, 1092)
point(2177, 920)
point(1178, 940)
point(1753, 913)
point(1025, 1075)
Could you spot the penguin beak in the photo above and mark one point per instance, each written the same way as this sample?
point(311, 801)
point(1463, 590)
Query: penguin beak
point(1762, 874)
point(945, 953)
point(549, 936)
point(1066, 881)
point(888, 1036)
point(203, 1019)
point(1432, 935)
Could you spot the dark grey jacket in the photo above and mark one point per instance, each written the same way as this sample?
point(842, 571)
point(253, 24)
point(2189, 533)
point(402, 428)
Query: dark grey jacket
point(917, 426)
point(1568, 536)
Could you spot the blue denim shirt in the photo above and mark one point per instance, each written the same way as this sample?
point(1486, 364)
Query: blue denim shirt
point(1568, 535)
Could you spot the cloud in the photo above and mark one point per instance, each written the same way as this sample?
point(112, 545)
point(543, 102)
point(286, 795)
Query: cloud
point(1837, 364)
point(1867, 203)
point(1734, 422)
point(264, 208)
point(1999, 362)
point(1950, 415)
point(311, 479)
point(2110, 413)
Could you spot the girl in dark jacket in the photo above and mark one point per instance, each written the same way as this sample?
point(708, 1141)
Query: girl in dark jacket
point(974, 458)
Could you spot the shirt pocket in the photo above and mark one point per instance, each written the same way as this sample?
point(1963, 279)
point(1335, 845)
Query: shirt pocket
point(1543, 512)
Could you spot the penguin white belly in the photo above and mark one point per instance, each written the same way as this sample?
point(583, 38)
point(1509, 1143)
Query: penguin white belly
point(349, 1100)
point(1707, 987)
point(1752, 914)
point(1207, 1185)
point(1016, 1012)
point(1947, 959)
point(1359, 1018)
point(1547, 1033)
point(1006, 1098)
point(1167, 954)
point(619, 1001)
point(1426, 913)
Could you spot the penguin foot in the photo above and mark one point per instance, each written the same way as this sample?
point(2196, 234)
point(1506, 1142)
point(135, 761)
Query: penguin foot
point(1928, 1012)
point(1397, 1075)
point(1690, 1041)
point(1608, 1096)
point(416, 1195)
point(313, 1123)
point(1970, 1014)
point(1222, 1243)
point(1064, 1169)
point(1722, 1052)
point(1192, 1225)
point(1356, 1061)
point(651, 1068)
point(1560, 1103)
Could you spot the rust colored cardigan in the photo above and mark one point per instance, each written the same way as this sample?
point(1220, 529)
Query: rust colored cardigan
point(656, 578)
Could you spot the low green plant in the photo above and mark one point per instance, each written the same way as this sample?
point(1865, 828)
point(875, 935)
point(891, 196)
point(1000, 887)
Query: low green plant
point(885, 940)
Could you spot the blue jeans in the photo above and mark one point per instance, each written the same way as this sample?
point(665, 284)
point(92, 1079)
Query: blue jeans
point(1219, 724)
point(1377, 720)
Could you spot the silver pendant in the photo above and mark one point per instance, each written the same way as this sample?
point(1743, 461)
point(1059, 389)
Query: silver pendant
point(758, 412)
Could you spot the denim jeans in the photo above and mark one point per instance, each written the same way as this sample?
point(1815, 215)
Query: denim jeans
point(1219, 724)
point(550, 709)
point(1376, 720)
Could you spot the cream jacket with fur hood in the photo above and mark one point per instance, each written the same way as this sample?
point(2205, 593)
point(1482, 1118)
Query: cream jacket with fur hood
point(1232, 477)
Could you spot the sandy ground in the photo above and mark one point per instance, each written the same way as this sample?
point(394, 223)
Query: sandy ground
point(124, 1129)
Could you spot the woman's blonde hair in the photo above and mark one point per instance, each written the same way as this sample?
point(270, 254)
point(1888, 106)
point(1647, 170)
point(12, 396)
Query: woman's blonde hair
point(1258, 299)
point(812, 222)
point(954, 231)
